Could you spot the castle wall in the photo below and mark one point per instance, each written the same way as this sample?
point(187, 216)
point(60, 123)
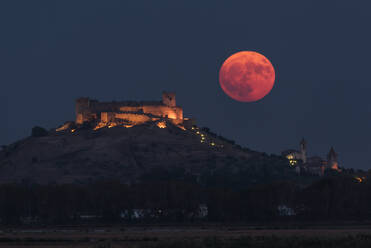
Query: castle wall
point(175, 113)
point(133, 118)
point(131, 109)
point(87, 110)
point(164, 111)
point(107, 117)
point(79, 118)
point(98, 107)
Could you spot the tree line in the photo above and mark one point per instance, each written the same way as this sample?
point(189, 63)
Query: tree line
point(331, 198)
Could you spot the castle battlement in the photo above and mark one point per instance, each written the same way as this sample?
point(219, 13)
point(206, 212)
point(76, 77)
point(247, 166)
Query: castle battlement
point(132, 112)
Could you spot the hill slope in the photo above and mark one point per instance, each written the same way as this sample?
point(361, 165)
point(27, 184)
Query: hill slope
point(144, 152)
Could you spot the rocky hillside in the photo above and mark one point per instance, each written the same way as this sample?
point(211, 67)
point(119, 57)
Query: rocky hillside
point(130, 155)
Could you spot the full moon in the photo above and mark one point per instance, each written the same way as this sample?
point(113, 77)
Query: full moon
point(247, 76)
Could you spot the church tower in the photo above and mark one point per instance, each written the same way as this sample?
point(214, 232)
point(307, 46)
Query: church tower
point(332, 159)
point(303, 150)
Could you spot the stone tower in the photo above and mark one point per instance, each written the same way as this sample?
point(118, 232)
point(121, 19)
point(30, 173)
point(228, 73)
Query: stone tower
point(81, 108)
point(168, 99)
point(332, 159)
point(303, 150)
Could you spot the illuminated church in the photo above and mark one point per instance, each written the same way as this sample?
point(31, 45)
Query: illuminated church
point(314, 165)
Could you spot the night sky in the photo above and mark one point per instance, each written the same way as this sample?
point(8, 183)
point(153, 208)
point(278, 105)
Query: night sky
point(52, 52)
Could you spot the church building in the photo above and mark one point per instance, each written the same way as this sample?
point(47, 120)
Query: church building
point(314, 165)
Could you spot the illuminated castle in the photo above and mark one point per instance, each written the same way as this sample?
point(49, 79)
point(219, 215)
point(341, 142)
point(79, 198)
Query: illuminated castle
point(312, 165)
point(129, 113)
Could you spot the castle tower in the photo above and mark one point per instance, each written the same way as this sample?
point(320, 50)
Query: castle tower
point(332, 159)
point(303, 150)
point(82, 106)
point(168, 99)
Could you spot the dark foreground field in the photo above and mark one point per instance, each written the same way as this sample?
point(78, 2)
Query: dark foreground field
point(188, 237)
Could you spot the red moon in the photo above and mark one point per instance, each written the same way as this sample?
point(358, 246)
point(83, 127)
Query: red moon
point(247, 76)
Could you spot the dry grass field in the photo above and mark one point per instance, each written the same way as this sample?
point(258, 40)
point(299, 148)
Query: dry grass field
point(184, 237)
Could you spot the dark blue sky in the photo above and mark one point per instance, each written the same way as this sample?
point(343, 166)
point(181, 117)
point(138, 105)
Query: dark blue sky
point(52, 52)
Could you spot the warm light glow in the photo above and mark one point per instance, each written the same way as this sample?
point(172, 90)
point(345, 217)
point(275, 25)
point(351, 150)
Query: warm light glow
point(293, 162)
point(60, 129)
point(103, 124)
point(181, 127)
point(161, 124)
point(172, 116)
point(360, 179)
point(113, 124)
point(64, 127)
point(99, 126)
point(73, 130)
point(290, 156)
